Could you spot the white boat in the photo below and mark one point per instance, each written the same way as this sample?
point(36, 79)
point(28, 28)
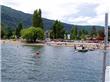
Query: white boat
point(81, 49)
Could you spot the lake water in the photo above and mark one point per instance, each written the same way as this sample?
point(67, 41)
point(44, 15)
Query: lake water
point(53, 64)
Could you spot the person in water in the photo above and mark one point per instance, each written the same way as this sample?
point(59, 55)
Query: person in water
point(75, 47)
point(83, 47)
point(38, 52)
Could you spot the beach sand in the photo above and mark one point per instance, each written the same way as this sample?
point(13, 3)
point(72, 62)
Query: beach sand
point(18, 42)
point(67, 44)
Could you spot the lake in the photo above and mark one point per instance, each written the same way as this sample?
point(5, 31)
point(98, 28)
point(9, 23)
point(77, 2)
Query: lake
point(53, 64)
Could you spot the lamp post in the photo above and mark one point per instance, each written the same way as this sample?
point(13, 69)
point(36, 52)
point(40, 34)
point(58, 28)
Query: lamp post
point(105, 45)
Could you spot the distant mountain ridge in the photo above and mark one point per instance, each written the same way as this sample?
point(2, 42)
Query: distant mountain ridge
point(11, 18)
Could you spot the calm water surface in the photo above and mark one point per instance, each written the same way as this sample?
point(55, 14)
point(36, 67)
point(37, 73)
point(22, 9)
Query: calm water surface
point(53, 64)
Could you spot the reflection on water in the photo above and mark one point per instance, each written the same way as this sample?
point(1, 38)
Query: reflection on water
point(53, 64)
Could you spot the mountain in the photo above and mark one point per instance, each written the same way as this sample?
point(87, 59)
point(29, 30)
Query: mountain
point(11, 17)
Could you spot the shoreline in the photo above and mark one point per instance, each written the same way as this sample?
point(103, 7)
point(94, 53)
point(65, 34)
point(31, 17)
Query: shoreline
point(18, 42)
point(85, 44)
point(65, 44)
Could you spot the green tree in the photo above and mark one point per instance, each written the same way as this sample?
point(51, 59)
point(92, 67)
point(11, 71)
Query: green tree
point(74, 33)
point(37, 19)
point(32, 33)
point(18, 29)
point(86, 32)
point(9, 33)
point(83, 34)
point(93, 32)
point(2, 30)
point(79, 34)
point(40, 33)
point(14, 35)
point(58, 30)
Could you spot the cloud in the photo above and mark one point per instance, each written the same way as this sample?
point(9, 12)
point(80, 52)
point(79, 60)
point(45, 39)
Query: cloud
point(88, 12)
point(87, 9)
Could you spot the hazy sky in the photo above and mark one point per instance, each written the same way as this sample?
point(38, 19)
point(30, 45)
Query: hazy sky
point(82, 12)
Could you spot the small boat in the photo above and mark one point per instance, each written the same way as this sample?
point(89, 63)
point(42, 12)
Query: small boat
point(81, 49)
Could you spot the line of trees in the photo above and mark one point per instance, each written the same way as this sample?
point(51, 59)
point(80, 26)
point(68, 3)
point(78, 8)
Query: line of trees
point(32, 33)
point(57, 31)
point(82, 34)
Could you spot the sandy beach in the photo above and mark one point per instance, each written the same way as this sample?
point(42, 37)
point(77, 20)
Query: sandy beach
point(85, 44)
point(18, 42)
point(67, 44)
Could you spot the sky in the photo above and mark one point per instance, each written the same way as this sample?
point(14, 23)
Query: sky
point(80, 12)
